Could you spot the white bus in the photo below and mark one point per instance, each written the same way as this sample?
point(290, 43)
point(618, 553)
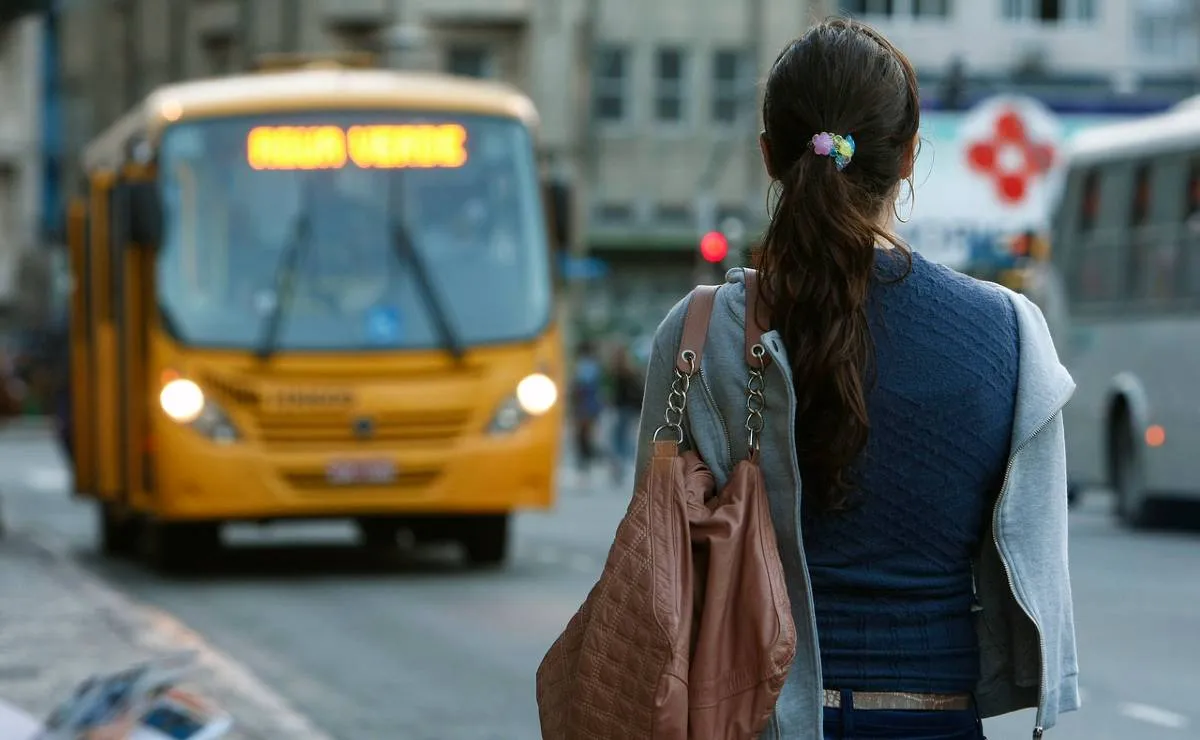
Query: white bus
point(1122, 296)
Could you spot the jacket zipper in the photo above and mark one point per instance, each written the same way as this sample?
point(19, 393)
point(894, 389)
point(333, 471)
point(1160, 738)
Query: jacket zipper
point(712, 402)
point(812, 608)
point(1038, 730)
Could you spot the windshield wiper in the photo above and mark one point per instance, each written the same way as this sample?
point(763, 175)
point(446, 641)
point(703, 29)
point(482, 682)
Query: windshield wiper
point(285, 277)
point(407, 253)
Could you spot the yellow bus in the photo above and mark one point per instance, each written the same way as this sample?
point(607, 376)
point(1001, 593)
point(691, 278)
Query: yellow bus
point(316, 293)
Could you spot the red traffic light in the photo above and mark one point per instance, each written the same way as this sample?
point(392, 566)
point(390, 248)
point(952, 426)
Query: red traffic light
point(714, 246)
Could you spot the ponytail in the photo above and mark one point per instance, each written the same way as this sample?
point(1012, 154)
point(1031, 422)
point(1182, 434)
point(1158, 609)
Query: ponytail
point(818, 267)
point(841, 113)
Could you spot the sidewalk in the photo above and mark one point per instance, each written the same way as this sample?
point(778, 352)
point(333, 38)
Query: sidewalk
point(59, 625)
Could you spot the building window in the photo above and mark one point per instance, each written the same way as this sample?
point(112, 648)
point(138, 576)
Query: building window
point(366, 38)
point(869, 7)
point(1050, 11)
point(471, 60)
point(931, 8)
point(673, 215)
point(610, 84)
point(731, 72)
point(900, 8)
point(669, 85)
point(613, 214)
point(219, 53)
point(1165, 33)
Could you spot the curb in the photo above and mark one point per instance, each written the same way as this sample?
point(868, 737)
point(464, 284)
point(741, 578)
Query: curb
point(159, 631)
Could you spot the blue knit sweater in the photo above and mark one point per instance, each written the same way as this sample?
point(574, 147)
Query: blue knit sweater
point(891, 576)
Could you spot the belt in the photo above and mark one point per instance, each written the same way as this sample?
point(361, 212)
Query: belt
point(900, 701)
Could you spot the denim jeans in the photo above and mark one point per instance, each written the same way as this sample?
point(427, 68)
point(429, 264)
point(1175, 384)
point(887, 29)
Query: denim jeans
point(624, 432)
point(848, 723)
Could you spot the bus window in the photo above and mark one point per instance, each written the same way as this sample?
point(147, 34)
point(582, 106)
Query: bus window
point(1154, 262)
point(1099, 255)
point(1141, 196)
point(1191, 232)
point(1140, 243)
point(1090, 202)
point(1097, 271)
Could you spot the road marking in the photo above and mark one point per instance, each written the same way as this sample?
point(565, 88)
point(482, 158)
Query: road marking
point(1154, 715)
point(49, 480)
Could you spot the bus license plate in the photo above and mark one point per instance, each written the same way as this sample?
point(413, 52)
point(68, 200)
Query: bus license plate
point(350, 472)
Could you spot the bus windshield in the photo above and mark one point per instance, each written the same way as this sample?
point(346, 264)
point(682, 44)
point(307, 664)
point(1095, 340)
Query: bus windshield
point(463, 188)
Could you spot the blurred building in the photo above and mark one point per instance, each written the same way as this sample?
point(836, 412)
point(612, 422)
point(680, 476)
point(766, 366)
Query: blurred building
point(650, 108)
point(1074, 55)
point(20, 151)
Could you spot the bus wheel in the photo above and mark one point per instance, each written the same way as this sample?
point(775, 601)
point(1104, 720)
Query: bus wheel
point(486, 540)
point(1072, 494)
point(118, 531)
point(379, 535)
point(1128, 482)
point(178, 546)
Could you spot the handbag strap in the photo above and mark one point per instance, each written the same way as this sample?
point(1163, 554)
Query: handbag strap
point(695, 329)
point(757, 322)
point(757, 359)
point(699, 313)
point(687, 363)
point(691, 351)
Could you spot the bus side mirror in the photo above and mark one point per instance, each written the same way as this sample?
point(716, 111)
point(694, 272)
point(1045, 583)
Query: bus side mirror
point(557, 196)
point(145, 214)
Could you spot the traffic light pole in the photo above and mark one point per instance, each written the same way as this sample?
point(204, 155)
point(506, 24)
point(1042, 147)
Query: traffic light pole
point(705, 202)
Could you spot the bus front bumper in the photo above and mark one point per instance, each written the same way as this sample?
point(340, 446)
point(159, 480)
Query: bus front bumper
point(480, 475)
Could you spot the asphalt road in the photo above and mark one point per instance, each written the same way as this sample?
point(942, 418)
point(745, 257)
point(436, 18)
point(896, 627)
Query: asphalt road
point(422, 648)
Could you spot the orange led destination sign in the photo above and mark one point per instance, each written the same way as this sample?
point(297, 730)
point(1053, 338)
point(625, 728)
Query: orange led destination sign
point(381, 147)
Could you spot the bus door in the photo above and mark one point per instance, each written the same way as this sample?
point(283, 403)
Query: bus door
point(104, 391)
point(130, 278)
point(119, 282)
point(80, 415)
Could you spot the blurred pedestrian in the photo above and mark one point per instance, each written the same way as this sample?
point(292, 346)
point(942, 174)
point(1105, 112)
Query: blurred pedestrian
point(12, 388)
point(587, 405)
point(627, 406)
point(913, 447)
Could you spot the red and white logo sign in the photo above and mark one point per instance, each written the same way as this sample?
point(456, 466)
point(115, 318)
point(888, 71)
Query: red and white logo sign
point(983, 175)
point(1012, 143)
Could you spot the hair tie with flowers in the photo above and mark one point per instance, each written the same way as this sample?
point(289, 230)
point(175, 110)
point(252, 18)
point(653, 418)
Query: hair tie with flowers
point(841, 148)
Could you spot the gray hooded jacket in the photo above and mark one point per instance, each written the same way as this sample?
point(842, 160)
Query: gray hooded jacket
point(1024, 612)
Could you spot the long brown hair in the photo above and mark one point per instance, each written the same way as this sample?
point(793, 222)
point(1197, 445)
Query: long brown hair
point(819, 252)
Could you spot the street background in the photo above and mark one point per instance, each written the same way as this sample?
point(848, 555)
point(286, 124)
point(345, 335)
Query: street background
point(423, 648)
point(648, 127)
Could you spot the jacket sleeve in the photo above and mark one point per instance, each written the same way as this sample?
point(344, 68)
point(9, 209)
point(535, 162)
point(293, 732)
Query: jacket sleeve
point(660, 374)
point(1034, 530)
point(1058, 625)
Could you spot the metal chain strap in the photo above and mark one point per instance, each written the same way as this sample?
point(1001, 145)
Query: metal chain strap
point(756, 399)
point(677, 398)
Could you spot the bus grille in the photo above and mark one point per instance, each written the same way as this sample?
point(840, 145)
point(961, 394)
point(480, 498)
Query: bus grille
point(412, 426)
point(307, 480)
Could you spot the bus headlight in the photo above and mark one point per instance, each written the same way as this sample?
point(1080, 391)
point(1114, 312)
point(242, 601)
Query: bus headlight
point(537, 394)
point(182, 400)
point(215, 424)
point(508, 417)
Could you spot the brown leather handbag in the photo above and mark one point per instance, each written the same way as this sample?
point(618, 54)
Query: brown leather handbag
point(688, 634)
